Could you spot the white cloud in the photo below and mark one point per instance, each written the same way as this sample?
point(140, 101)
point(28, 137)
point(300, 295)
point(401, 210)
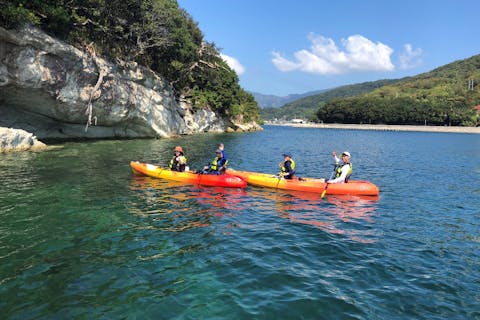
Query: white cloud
point(324, 57)
point(233, 63)
point(410, 58)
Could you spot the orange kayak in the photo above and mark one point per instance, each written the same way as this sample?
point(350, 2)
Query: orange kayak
point(353, 187)
point(223, 180)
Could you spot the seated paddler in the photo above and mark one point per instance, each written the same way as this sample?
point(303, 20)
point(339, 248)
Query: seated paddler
point(178, 161)
point(287, 167)
point(343, 168)
point(218, 164)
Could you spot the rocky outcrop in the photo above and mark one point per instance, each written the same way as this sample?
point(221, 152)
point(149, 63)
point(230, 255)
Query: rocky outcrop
point(19, 140)
point(55, 90)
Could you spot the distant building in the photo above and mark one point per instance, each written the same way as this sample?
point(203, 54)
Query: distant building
point(297, 121)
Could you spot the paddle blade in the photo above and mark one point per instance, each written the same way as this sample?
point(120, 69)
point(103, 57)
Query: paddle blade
point(323, 193)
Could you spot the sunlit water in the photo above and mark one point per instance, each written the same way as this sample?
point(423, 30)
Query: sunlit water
point(81, 237)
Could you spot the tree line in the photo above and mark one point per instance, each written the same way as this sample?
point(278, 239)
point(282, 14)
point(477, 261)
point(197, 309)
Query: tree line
point(400, 111)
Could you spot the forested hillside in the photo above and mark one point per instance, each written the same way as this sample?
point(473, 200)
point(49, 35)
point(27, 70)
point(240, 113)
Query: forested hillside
point(444, 96)
point(154, 33)
point(307, 107)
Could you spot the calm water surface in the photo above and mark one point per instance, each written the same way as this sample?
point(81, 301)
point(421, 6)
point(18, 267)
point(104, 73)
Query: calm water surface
point(82, 238)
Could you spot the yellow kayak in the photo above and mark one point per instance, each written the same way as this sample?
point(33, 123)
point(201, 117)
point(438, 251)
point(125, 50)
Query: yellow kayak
point(353, 187)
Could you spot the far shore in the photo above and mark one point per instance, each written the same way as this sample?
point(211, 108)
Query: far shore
point(378, 127)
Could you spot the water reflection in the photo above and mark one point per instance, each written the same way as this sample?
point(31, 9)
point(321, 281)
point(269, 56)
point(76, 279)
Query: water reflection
point(341, 214)
point(175, 206)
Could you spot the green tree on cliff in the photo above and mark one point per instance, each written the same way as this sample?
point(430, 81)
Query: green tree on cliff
point(155, 33)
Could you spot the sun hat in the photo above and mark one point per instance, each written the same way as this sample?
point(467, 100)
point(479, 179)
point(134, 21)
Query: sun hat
point(346, 153)
point(287, 154)
point(178, 148)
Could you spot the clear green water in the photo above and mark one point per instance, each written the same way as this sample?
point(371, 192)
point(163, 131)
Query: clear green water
point(82, 238)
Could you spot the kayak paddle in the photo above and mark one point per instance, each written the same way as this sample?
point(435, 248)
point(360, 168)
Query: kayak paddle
point(326, 185)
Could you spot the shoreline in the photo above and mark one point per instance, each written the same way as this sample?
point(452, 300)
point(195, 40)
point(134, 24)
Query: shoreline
point(381, 127)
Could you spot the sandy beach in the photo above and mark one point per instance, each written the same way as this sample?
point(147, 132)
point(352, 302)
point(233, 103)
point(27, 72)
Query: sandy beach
point(380, 127)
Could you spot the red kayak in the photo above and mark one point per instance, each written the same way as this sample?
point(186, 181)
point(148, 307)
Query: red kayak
point(222, 180)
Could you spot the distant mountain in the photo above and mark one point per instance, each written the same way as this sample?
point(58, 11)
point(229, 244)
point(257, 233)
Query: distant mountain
point(307, 105)
point(272, 101)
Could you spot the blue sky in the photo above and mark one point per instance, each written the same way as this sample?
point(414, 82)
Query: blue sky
point(288, 47)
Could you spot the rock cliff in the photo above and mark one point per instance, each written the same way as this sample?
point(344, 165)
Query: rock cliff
point(55, 90)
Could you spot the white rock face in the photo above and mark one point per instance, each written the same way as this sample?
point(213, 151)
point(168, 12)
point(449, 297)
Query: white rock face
point(46, 87)
point(19, 140)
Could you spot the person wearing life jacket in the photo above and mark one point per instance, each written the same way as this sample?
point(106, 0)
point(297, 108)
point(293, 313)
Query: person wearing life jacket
point(343, 168)
point(178, 161)
point(222, 147)
point(218, 164)
point(287, 167)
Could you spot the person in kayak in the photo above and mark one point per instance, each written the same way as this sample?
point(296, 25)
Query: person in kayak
point(178, 161)
point(343, 168)
point(218, 164)
point(287, 166)
point(222, 147)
